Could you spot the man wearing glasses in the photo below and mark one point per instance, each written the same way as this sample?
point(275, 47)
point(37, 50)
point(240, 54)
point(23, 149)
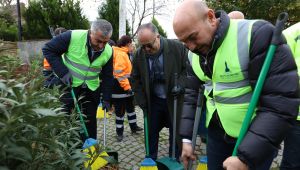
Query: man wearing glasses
point(80, 58)
point(154, 66)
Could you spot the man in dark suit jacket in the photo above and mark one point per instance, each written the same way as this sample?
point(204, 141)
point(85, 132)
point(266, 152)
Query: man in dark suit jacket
point(154, 66)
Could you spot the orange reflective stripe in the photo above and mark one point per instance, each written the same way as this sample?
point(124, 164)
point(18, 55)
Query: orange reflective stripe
point(46, 65)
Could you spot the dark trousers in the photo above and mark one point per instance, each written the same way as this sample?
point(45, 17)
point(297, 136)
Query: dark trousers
point(159, 117)
point(220, 146)
point(88, 103)
point(122, 105)
point(291, 151)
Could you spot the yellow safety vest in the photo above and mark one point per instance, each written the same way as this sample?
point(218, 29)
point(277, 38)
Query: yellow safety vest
point(78, 63)
point(229, 91)
point(292, 35)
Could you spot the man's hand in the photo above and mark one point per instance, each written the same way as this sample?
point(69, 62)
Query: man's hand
point(234, 163)
point(129, 92)
point(187, 153)
point(67, 79)
point(106, 105)
point(177, 90)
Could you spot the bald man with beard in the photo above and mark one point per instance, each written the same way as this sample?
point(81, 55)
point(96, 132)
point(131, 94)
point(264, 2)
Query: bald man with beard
point(226, 56)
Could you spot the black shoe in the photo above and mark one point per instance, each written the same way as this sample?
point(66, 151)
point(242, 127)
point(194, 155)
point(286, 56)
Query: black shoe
point(136, 129)
point(119, 138)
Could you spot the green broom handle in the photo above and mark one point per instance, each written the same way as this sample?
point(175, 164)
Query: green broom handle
point(146, 133)
point(80, 114)
point(282, 18)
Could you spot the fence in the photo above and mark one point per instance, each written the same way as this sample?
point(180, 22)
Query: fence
point(26, 50)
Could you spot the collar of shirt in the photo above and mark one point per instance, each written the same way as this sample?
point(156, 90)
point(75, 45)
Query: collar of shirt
point(93, 53)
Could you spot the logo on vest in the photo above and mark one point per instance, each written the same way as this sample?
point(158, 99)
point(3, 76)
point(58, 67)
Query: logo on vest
point(228, 74)
point(226, 68)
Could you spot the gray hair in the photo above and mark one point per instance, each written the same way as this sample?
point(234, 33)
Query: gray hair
point(149, 26)
point(102, 25)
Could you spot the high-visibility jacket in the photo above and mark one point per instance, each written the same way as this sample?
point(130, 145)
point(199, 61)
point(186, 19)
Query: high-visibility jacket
point(122, 66)
point(229, 91)
point(292, 35)
point(77, 61)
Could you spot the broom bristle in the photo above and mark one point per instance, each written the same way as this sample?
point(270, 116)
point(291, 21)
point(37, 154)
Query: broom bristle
point(148, 164)
point(148, 168)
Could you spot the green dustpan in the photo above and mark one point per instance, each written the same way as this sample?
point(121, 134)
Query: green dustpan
point(167, 162)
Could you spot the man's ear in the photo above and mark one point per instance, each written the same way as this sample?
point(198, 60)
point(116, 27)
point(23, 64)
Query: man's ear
point(211, 17)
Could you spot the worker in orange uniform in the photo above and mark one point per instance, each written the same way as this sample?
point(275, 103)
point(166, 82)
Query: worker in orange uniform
point(122, 95)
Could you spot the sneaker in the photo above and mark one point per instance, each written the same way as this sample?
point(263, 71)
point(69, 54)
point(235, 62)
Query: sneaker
point(119, 138)
point(136, 129)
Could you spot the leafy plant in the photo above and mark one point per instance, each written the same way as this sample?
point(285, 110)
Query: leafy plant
point(34, 132)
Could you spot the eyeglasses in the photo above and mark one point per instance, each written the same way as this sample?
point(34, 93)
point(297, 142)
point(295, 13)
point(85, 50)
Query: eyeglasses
point(149, 45)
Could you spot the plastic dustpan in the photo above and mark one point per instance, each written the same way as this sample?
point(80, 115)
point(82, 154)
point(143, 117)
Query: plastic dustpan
point(89, 148)
point(166, 163)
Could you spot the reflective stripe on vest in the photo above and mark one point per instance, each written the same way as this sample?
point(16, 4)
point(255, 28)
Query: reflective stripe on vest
point(292, 35)
point(230, 84)
point(82, 67)
point(118, 96)
point(78, 63)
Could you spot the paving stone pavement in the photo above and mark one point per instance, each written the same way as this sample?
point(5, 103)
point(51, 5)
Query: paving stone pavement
point(131, 150)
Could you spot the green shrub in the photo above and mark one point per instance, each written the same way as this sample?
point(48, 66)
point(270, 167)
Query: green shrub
point(34, 133)
point(8, 26)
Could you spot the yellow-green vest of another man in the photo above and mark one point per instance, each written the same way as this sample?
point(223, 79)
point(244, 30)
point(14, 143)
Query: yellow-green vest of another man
point(82, 59)
point(291, 149)
point(292, 35)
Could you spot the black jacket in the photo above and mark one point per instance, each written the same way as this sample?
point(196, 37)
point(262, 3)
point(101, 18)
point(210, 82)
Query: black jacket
point(279, 100)
point(175, 58)
point(57, 46)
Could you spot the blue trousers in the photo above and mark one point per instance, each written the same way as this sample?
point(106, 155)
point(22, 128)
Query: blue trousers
point(220, 147)
point(291, 151)
point(159, 118)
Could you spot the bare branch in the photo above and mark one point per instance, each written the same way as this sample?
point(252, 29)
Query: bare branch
point(4, 3)
point(141, 10)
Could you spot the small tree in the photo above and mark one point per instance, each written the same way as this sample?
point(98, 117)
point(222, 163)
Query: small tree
point(4, 3)
point(41, 14)
point(109, 10)
point(8, 26)
point(258, 9)
point(161, 31)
